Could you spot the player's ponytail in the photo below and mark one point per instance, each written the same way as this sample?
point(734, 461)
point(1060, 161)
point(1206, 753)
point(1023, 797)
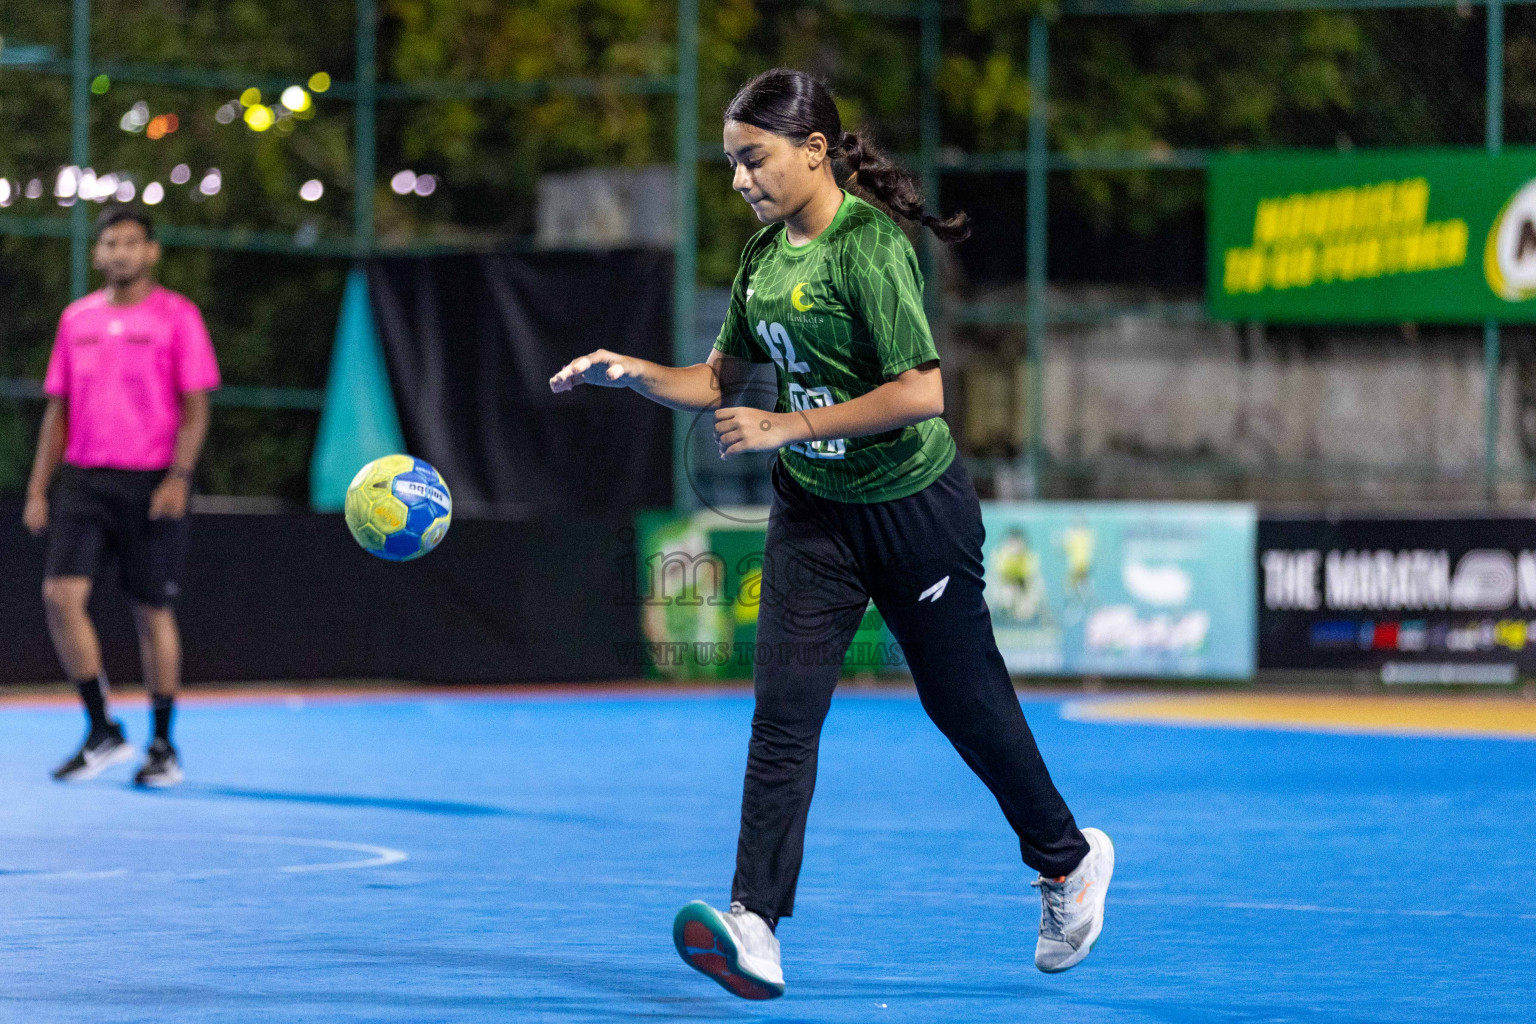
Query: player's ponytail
point(895, 187)
point(794, 104)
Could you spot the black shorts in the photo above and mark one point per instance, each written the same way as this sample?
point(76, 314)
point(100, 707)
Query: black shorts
point(100, 516)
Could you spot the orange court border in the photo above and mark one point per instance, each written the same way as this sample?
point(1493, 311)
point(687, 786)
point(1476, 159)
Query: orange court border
point(1386, 714)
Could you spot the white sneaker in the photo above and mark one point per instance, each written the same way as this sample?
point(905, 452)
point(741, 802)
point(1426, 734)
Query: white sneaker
point(1072, 907)
point(738, 949)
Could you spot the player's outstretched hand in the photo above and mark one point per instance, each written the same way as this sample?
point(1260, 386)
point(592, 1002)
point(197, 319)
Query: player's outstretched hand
point(604, 368)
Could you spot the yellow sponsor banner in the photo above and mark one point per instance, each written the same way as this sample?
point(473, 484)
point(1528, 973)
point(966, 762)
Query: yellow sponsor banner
point(1388, 236)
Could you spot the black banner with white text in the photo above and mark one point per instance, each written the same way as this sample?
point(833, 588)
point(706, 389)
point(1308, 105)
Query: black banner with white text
point(1421, 600)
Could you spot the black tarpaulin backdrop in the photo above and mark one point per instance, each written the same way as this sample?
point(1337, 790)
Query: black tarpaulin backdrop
point(471, 342)
point(292, 597)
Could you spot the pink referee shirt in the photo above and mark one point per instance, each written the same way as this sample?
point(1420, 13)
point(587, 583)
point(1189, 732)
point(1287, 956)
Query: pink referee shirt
point(123, 370)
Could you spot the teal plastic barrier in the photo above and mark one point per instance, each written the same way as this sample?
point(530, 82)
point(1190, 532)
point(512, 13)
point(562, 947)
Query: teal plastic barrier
point(358, 423)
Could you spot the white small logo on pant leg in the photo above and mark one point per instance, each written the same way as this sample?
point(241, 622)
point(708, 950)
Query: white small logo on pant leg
point(934, 592)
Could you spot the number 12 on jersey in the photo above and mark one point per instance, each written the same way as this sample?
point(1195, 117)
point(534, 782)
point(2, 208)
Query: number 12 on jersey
point(782, 348)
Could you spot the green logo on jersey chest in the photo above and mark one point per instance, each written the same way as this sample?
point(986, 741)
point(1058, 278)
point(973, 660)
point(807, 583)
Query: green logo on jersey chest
point(800, 302)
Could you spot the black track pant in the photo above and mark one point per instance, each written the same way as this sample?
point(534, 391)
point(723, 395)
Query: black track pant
point(824, 560)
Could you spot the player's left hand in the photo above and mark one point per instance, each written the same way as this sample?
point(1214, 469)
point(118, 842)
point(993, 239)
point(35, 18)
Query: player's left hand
point(169, 501)
point(743, 429)
point(605, 368)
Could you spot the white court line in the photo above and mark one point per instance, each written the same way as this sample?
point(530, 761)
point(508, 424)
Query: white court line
point(1114, 901)
point(83, 876)
point(1173, 901)
point(1309, 908)
point(378, 856)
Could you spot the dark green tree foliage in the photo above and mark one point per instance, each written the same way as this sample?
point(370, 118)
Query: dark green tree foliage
point(1321, 78)
point(271, 317)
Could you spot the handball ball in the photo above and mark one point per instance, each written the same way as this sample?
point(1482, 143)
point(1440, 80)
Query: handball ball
point(398, 508)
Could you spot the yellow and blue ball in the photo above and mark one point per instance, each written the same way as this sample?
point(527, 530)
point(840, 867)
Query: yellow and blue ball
point(398, 508)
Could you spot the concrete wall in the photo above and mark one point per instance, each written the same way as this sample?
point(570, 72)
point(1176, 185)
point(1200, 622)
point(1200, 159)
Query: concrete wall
point(1138, 407)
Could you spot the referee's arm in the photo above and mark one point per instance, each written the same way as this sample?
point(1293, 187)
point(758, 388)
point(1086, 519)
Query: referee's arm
point(50, 452)
point(170, 498)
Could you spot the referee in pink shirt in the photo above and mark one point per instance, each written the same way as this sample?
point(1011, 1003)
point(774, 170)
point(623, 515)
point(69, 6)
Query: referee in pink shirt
point(127, 413)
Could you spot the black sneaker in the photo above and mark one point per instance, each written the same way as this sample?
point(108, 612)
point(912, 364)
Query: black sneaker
point(102, 749)
point(161, 767)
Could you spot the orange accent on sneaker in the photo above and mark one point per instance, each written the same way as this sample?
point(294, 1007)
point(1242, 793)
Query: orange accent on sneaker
point(1084, 892)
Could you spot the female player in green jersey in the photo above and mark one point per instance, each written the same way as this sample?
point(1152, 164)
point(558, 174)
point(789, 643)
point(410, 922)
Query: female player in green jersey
point(870, 503)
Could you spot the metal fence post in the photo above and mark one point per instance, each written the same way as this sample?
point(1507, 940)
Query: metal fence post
point(685, 247)
point(1495, 140)
point(930, 53)
point(80, 147)
point(365, 157)
point(1035, 241)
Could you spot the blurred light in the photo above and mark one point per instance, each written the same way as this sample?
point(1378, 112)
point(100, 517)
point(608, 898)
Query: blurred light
point(136, 117)
point(35, 188)
point(67, 201)
point(259, 118)
point(181, 174)
point(319, 82)
point(305, 114)
point(125, 192)
point(68, 182)
point(159, 127)
point(311, 190)
point(308, 234)
point(106, 188)
point(100, 84)
point(85, 184)
point(153, 193)
point(250, 97)
point(211, 183)
point(295, 98)
point(227, 113)
point(426, 184)
point(285, 125)
point(403, 182)
point(5, 192)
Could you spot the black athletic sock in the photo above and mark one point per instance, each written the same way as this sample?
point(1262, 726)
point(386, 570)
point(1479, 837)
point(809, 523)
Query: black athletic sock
point(163, 706)
point(93, 693)
point(773, 922)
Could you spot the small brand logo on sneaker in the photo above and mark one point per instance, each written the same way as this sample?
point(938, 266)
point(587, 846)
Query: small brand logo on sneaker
point(934, 592)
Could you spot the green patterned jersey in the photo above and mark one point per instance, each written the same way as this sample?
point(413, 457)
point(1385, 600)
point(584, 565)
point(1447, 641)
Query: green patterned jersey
point(839, 316)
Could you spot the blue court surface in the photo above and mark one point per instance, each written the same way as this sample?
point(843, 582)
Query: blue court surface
point(501, 857)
